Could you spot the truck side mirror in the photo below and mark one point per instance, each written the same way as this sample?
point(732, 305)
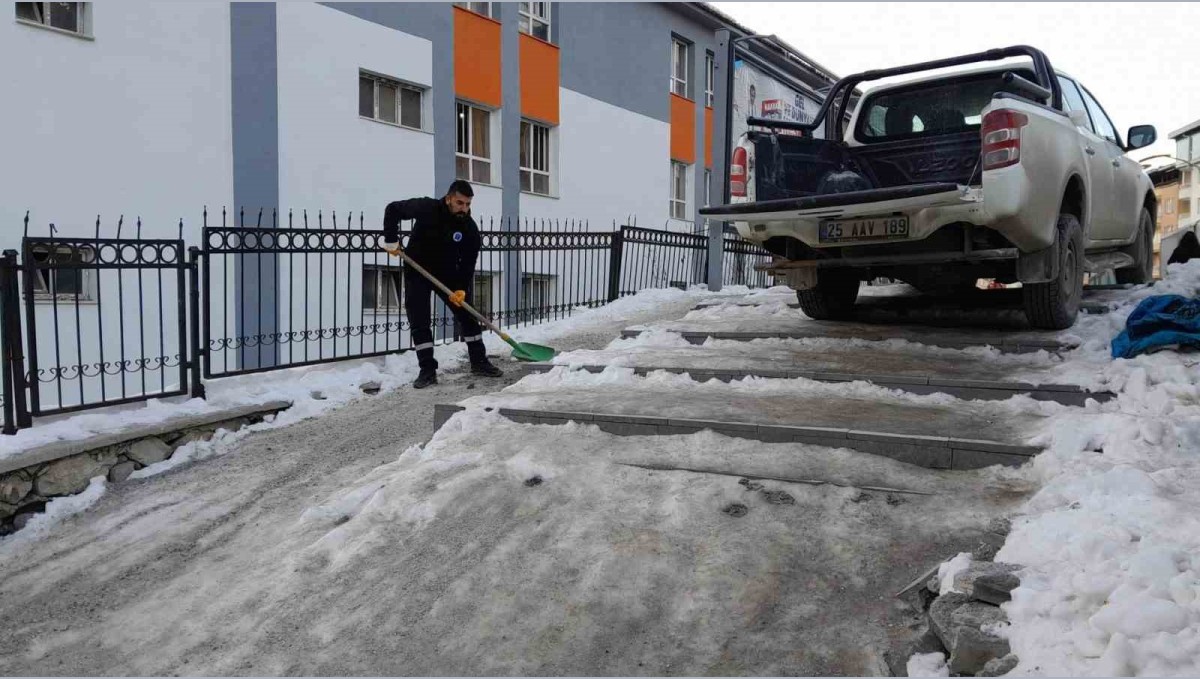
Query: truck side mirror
point(1141, 135)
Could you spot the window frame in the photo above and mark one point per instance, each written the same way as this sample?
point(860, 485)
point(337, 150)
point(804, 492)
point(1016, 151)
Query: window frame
point(1068, 85)
point(544, 285)
point(1089, 97)
point(379, 79)
point(527, 151)
point(83, 19)
point(526, 14)
point(381, 284)
point(45, 280)
point(680, 201)
point(469, 7)
point(678, 45)
point(710, 79)
point(482, 303)
point(470, 157)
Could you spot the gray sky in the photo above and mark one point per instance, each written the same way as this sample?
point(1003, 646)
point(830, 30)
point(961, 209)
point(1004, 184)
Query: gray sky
point(1135, 57)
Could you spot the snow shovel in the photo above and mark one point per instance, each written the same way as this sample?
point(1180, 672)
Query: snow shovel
point(522, 351)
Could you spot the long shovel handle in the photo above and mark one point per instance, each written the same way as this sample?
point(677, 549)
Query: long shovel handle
point(447, 291)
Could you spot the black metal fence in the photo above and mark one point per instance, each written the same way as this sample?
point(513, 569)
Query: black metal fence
point(91, 322)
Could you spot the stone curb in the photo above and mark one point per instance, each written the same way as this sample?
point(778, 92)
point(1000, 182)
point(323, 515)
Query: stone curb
point(61, 449)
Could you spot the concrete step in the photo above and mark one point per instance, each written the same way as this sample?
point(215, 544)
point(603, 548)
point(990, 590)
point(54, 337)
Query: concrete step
point(920, 369)
point(880, 309)
point(966, 435)
point(699, 329)
point(970, 389)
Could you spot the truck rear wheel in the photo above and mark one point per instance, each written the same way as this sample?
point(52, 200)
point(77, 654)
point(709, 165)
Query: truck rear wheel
point(1142, 252)
point(834, 296)
point(1053, 305)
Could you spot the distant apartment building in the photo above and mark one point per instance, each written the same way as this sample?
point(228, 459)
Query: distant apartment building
point(1187, 148)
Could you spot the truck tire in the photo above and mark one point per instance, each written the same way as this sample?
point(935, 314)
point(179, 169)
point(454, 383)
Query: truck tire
point(1053, 305)
point(1142, 252)
point(834, 296)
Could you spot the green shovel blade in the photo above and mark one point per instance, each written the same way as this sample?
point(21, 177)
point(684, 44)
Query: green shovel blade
point(533, 353)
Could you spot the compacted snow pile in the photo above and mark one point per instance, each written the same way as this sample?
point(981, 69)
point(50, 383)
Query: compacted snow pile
point(555, 550)
point(1111, 542)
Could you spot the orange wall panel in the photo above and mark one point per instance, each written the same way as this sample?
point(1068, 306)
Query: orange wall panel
point(708, 135)
point(477, 58)
point(683, 129)
point(539, 79)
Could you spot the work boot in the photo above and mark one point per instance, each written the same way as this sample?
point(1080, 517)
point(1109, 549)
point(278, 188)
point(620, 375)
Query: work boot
point(425, 379)
point(485, 368)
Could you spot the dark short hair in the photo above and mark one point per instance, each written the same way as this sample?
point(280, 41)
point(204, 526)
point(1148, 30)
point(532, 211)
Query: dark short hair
point(462, 188)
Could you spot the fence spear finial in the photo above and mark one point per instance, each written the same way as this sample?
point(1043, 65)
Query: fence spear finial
point(204, 217)
point(27, 223)
point(181, 228)
point(139, 227)
point(52, 229)
point(274, 218)
point(289, 217)
point(258, 224)
point(242, 217)
point(320, 221)
point(97, 226)
point(120, 223)
point(222, 216)
point(306, 218)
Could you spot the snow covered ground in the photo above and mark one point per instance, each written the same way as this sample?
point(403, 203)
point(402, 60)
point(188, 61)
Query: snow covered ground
point(359, 550)
point(494, 549)
point(1110, 544)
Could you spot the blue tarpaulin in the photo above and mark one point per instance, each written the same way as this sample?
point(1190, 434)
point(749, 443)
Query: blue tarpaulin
point(1159, 322)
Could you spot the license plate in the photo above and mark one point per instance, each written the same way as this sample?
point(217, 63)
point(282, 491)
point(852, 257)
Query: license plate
point(869, 228)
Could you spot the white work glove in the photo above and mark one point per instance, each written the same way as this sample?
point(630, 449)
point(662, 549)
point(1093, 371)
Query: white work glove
point(392, 247)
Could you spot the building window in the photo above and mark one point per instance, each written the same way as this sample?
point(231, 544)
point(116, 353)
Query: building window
point(71, 17)
point(1185, 177)
point(484, 8)
point(679, 61)
point(389, 101)
point(535, 158)
point(63, 280)
point(535, 19)
point(710, 79)
point(473, 156)
point(481, 297)
point(381, 288)
point(707, 187)
point(537, 296)
point(678, 190)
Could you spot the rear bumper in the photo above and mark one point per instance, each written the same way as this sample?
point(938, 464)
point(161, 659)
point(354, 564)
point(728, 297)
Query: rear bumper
point(976, 256)
point(929, 207)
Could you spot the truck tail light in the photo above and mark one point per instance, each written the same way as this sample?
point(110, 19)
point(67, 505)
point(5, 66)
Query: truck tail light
point(737, 173)
point(1002, 138)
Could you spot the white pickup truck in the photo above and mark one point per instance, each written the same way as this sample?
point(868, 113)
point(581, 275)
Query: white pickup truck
point(1009, 172)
